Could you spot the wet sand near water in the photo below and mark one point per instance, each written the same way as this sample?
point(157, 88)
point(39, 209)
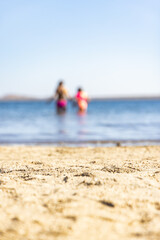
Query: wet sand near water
point(79, 193)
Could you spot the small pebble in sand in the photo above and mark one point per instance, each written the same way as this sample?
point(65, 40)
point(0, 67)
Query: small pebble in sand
point(65, 179)
point(107, 203)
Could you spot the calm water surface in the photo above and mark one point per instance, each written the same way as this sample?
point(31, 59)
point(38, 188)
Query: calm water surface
point(37, 122)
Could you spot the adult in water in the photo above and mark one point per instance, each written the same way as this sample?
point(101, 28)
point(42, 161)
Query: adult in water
point(82, 100)
point(61, 96)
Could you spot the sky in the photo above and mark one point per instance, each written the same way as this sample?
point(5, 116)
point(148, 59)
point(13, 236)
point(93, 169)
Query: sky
point(108, 47)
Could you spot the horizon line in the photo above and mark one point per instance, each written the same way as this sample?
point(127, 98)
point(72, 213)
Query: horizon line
point(18, 97)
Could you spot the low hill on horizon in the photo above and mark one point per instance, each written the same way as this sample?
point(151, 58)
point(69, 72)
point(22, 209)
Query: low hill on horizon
point(16, 97)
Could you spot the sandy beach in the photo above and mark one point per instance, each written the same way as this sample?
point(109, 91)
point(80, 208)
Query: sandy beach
point(79, 193)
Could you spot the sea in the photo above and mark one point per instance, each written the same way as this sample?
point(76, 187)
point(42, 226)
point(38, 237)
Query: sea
point(106, 123)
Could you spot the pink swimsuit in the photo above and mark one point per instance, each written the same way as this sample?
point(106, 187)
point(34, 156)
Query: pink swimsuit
point(61, 103)
point(82, 101)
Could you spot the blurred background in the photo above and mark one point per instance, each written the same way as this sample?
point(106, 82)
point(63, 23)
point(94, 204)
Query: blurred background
point(110, 48)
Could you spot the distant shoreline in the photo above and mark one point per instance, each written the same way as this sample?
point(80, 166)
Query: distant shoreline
point(17, 98)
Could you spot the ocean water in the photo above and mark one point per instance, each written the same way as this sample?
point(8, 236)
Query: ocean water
point(105, 121)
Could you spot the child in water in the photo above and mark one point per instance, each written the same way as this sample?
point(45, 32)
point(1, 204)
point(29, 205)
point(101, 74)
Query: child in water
point(82, 100)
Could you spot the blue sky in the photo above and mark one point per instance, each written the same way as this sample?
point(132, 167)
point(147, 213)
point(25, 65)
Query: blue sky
point(109, 47)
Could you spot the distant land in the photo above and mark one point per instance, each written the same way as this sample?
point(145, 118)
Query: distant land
point(14, 97)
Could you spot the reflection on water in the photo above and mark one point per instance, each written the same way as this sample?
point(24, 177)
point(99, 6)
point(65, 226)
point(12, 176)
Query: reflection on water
point(60, 123)
point(105, 120)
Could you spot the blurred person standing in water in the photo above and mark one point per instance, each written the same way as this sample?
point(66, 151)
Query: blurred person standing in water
point(82, 100)
point(61, 96)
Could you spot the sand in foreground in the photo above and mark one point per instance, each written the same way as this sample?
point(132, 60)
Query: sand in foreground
point(79, 193)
